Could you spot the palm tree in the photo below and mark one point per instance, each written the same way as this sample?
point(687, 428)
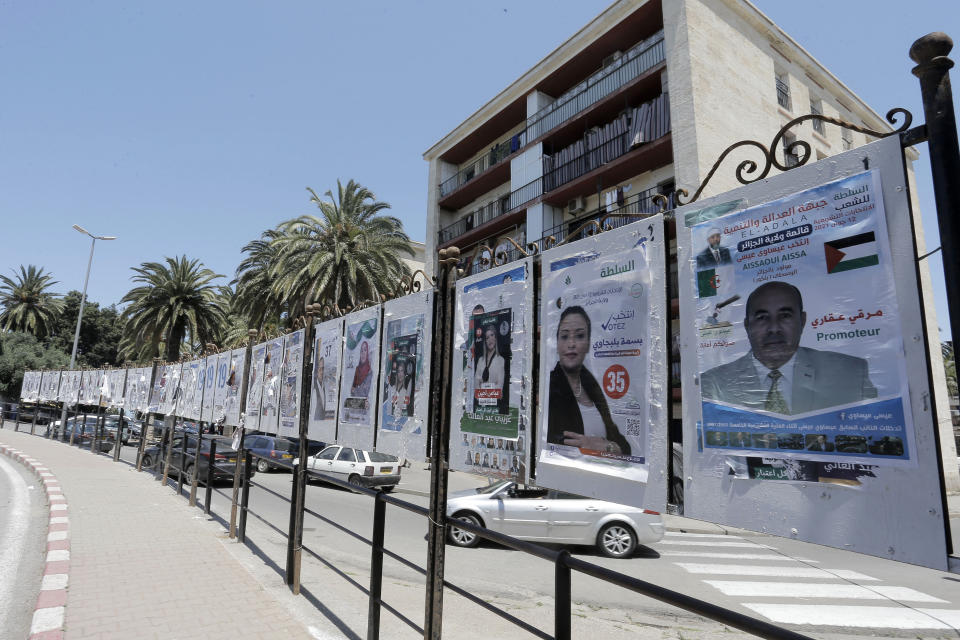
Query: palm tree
point(255, 296)
point(176, 306)
point(348, 254)
point(27, 305)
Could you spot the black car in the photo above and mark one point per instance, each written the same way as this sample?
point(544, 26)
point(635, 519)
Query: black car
point(275, 452)
point(224, 463)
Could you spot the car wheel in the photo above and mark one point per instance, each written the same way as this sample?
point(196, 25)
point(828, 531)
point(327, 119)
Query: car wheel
point(189, 473)
point(263, 466)
point(461, 537)
point(146, 461)
point(617, 540)
point(354, 479)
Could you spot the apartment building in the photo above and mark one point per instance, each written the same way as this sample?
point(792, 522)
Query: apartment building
point(639, 102)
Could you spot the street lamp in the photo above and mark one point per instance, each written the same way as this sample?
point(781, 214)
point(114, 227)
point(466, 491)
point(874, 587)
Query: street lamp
point(83, 299)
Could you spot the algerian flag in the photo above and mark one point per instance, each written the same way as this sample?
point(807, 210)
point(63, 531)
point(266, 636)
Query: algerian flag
point(707, 283)
point(853, 252)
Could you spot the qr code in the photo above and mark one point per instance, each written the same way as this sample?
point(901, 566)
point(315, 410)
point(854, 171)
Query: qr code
point(634, 426)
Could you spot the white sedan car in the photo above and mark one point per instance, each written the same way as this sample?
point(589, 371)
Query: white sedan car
point(547, 515)
point(358, 467)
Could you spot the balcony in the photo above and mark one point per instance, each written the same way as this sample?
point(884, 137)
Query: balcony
point(495, 156)
point(480, 221)
point(635, 62)
point(646, 123)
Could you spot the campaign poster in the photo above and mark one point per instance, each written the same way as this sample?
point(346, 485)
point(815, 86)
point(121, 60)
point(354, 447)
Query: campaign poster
point(103, 388)
point(251, 420)
point(325, 381)
point(49, 385)
point(358, 392)
point(798, 330)
point(603, 365)
point(233, 383)
point(134, 397)
point(172, 392)
point(158, 390)
point(272, 375)
point(405, 383)
point(290, 384)
point(188, 390)
point(491, 404)
point(209, 389)
point(30, 387)
point(115, 381)
point(69, 388)
point(89, 393)
point(221, 389)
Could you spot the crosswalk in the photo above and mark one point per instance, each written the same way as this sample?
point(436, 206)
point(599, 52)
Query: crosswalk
point(794, 590)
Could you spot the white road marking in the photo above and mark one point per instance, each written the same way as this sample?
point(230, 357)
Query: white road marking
point(857, 616)
point(58, 555)
point(54, 581)
point(711, 543)
point(735, 556)
point(13, 539)
point(753, 589)
point(677, 534)
point(48, 619)
point(777, 572)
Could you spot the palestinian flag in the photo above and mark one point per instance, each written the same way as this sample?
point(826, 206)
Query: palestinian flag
point(707, 283)
point(850, 253)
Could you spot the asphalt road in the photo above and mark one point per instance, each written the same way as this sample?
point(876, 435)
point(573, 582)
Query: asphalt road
point(22, 546)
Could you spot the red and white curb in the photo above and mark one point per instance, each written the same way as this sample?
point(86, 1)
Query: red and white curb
point(49, 614)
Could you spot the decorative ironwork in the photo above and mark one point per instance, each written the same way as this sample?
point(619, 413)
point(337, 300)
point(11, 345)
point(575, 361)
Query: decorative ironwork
point(748, 171)
point(410, 284)
point(502, 258)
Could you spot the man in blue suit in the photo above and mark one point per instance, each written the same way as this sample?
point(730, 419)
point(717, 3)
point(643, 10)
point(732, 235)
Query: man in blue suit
point(777, 374)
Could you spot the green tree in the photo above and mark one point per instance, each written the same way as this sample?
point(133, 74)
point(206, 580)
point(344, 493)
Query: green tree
point(21, 352)
point(100, 332)
point(257, 299)
point(27, 304)
point(950, 368)
point(175, 308)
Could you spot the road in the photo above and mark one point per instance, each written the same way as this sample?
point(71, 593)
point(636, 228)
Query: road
point(819, 591)
point(22, 546)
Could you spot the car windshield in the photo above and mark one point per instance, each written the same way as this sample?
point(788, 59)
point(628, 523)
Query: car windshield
point(493, 488)
point(286, 445)
point(376, 456)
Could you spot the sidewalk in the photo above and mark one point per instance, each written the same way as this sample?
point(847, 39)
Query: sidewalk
point(142, 565)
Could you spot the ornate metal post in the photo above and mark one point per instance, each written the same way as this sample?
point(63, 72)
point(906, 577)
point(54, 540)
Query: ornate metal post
point(440, 390)
point(300, 471)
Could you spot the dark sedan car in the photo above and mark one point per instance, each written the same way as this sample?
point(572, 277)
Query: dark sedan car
point(225, 459)
point(275, 452)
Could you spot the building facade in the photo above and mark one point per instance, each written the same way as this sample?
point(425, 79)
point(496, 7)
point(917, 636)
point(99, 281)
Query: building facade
point(641, 101)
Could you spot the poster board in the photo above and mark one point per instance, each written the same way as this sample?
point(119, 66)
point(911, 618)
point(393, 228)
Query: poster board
point(116, 379)
point(272, 373)
point(841, 236)
point(190, 385)
point(603, 376)
point(251, 420)
point(69, 388)
point(30, 387)
point(89, 393)
point(492, 372)
point(290, 376)
point(325, 381)
point(137, 391)
point(170, 391)
point(357, 415)
point(227, 401)
point(209, 389)
point(49, 386)
point(404, 389)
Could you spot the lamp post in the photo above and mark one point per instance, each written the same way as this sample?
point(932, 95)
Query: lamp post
point(83, 300)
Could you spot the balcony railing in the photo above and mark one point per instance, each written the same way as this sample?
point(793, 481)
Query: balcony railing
point(783, 94)
point(491, 210)
point(495, 156)
point(635, 62)
point(650, 121)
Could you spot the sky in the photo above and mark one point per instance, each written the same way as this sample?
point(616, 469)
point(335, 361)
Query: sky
point(190, 128)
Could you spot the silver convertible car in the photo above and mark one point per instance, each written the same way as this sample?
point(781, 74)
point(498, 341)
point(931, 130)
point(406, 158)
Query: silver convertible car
point(547, 515)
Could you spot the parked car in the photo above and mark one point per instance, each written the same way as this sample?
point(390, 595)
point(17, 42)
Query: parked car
point(224, 463)
point(276, 452)
point(83, 431)
point(358, 467)
point(547, 515)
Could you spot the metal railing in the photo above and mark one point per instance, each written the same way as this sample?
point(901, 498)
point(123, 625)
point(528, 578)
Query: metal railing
point(635, 62)
point(495, 156)
point(492, 210)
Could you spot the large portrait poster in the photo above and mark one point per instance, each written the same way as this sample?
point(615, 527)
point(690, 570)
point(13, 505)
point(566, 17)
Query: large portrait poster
point(603, 365)
point(290, 384)
point(358, 392)
point(251, 421)
point(325, 385)
point(131, 395)
point(272, 373)
point(89, 392)
point(49, 385)
point(490, 408)
point(69, 388)
point(799, 349)
point(405, 383)
point(209, 389)
point(231, 401)
point(30, 387)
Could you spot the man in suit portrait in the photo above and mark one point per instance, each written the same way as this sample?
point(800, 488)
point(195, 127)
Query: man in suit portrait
point(777, 374)
point(714, 254)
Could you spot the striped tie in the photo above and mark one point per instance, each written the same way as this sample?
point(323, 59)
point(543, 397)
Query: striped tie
point(775, 401)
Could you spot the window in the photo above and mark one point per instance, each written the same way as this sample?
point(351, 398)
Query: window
point(347, 455)
point(816, 108)
point(328, 454)
point(789, 158)
point(783, 90)
point(847, 139)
